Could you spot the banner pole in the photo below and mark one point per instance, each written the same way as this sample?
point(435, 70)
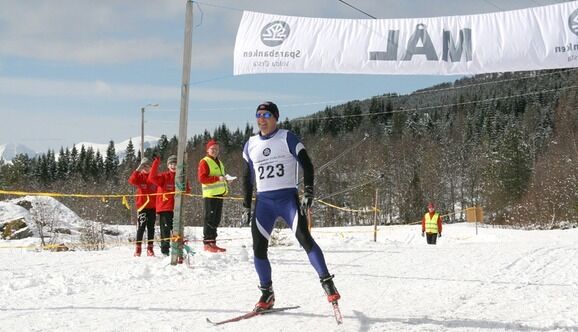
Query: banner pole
point(177, 238)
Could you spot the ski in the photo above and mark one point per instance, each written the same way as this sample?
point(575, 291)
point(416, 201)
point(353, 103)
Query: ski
point(251, 314)
point(337, 313)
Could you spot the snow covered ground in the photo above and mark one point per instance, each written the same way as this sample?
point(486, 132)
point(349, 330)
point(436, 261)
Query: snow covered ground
point(498, 280)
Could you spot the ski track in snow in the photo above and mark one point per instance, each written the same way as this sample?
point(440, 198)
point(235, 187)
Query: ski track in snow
point(498, 280)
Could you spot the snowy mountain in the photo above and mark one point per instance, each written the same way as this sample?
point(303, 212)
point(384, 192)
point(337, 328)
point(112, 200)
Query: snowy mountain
point(120, 147)
point(10, 150)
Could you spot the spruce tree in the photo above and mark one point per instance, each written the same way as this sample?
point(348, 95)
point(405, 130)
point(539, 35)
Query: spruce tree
point(330, 125)
point(111, 163)
point(20, 170)
point(222, 135)
point(97, 167)
point(52, 166)
point(129, 157)
point(162, 147)
point(247, 133)
point(352, 116)
point(375, 107)
point(74, 161)
point(63, 165)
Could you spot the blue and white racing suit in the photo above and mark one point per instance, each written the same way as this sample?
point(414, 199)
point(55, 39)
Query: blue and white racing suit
point(271, 162)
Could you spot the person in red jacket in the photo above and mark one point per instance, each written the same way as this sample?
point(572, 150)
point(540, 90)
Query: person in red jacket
point(145, 206)
point(211, 174)
point(431, 224)
point(165, 201)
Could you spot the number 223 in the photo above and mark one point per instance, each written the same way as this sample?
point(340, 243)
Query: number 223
point(271, 171)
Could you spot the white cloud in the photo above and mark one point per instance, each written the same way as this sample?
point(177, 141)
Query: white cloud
point(96, 51)
point(99, 88)
point(88, 31)
point(82, 89)
point(110, 31)
point(102, 88)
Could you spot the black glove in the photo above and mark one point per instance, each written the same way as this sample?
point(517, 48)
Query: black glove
point(422, 234)
point(439, 234)
point(246, 217)
point(306, 200)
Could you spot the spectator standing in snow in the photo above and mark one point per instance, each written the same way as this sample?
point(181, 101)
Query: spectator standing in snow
point(145, 206)
point(271, 161)
point(165, 201)
point(431, 224)
point(211, 175)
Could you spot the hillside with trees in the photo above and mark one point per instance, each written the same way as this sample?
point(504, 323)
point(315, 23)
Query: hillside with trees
point(506, 142)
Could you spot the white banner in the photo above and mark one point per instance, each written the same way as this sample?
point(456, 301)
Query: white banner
point(529, 39)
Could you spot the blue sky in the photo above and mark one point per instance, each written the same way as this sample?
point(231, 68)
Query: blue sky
point(79, 70)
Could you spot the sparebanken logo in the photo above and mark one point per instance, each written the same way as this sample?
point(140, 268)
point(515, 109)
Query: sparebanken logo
point(266, 152)
point(573, 22)
point(275, 33)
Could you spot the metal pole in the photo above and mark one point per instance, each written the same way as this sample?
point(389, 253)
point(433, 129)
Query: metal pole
point(375, 217)
point(142, 111)
point(476, 214)
point(180, 181)
point(142, 132)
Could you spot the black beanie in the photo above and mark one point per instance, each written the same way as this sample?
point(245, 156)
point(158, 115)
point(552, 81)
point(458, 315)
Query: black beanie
point(269, 106)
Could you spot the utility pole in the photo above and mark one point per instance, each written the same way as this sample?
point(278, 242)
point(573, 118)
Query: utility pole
point(180, 180)
point(142, 109)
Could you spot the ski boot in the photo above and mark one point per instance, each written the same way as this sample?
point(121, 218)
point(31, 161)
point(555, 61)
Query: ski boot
point(267, 299)
point(211, 246)
point(138, 250)
point(219, 249)
point(150, 251)
point(329, 288)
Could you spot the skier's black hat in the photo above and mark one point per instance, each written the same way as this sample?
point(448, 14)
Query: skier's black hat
point(270, 107)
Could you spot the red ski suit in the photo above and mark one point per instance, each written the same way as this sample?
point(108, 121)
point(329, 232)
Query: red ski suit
point(165, 182)
point(144, 187)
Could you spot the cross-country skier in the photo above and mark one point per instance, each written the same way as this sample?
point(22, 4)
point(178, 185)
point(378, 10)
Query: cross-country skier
point(271, 161)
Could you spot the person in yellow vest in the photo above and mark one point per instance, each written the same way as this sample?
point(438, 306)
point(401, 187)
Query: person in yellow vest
point(431, 224)
point(213, 179)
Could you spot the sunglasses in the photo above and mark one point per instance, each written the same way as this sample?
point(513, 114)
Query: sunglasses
point(265, 115)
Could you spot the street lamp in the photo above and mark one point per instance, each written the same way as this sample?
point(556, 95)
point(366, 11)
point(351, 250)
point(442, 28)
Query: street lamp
point(142, 109)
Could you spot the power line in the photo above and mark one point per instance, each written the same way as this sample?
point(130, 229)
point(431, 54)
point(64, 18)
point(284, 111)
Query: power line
point(491, 82)
point(423, 92)
point(359, 10)
point(493, 4)
point(212, 79)
point(218, 6)
point(426, 108)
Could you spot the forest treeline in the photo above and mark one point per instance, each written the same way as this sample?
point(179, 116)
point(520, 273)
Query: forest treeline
point(507, 142)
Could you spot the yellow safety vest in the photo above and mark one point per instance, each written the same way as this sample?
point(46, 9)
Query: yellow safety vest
point(218, 188)
point(431, 224)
